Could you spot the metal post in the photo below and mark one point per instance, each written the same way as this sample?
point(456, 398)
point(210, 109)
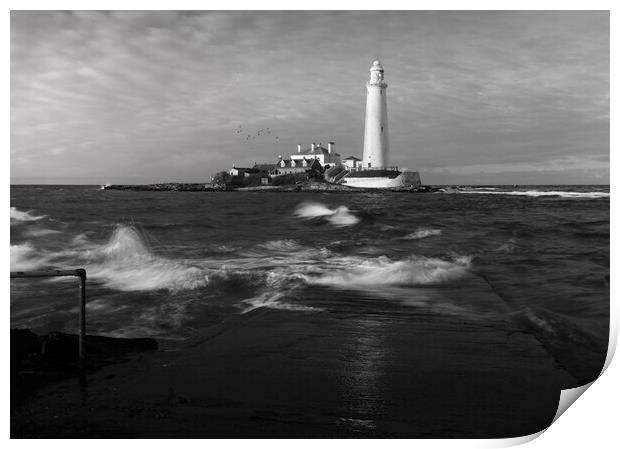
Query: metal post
point(81, 273)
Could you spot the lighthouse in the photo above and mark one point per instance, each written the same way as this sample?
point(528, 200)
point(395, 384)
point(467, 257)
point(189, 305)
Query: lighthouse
point(376, 128)
point(373, 172)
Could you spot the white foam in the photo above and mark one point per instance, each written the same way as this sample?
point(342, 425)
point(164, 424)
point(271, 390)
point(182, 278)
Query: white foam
point(281, 245)
point(288, 276)
point(360, 273)
point(22, 216)
point(537, 193)
point(422, 233)
point(340, 216)
point(220, 248)
point(41, 232)
point(80, 239)
point(313, 210)
point(148, 276)
point(24, 257)
point(273, 301)
point(126, 263)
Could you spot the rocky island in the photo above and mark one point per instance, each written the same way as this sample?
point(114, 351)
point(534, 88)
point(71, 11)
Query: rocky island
point(308, 185)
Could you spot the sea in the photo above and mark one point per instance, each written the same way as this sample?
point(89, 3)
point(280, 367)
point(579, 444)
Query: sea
point(170, 265)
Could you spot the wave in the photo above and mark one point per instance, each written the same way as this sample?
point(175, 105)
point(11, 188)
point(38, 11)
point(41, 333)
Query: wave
point(281, 245)
point(361, 273)
point(18, 216)
point(126, 263)
point(508, 247)
point(80, 239)
point(422, 233)
point(340, 216)
point(269, 273)
point(284, 252)
point(274, 301)
point(537, 193)
point(220, 248)
point(40, 232)
point(580, 351)
point(24, 257)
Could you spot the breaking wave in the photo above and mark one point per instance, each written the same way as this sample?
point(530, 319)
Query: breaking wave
point(281, 245)
point(18, 216)
point(126, 263)
point(40, 232)
point(422, 233)
point(361, 273)
point(24, 257)
point(340, 216)
point(537, 193)
point(274, 301)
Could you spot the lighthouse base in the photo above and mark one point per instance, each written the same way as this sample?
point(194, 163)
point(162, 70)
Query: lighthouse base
point(382, 179)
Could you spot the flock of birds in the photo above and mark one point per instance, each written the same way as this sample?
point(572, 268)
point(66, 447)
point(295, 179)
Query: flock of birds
point(261, 132)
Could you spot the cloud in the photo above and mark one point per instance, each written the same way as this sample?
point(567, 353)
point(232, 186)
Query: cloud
point(138, 96)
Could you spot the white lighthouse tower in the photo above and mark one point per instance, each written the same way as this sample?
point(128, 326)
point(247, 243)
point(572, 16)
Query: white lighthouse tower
point(374, 172)
point(376, 129)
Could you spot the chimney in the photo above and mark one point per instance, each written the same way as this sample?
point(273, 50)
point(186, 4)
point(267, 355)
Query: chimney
point(299, 148)
point(330, 147)
point(313, 146)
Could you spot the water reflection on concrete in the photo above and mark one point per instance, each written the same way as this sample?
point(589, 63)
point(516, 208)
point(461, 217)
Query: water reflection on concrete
point(362, 373)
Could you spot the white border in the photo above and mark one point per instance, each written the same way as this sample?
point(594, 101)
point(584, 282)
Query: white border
point(589, 423)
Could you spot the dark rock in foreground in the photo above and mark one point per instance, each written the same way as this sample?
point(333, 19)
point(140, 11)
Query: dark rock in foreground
point(37, 360)
point(31, 350)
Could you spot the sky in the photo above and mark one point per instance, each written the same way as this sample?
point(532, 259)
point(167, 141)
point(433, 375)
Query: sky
point(474, 97)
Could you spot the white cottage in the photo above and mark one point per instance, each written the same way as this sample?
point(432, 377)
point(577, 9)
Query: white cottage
point(325, 156)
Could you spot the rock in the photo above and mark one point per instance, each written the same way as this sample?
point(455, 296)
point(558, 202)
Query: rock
point(63, 347)
point(24, 345)
point(27, 348)
point(37, 361)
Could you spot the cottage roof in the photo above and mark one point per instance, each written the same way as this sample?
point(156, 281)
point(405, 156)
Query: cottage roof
point(298, 163)
point(287, 163)
point(351, 158)
point(263, 167)
point(318, 149)
point(246, 169)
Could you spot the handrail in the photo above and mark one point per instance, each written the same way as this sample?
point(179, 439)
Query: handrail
point(81, 273)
